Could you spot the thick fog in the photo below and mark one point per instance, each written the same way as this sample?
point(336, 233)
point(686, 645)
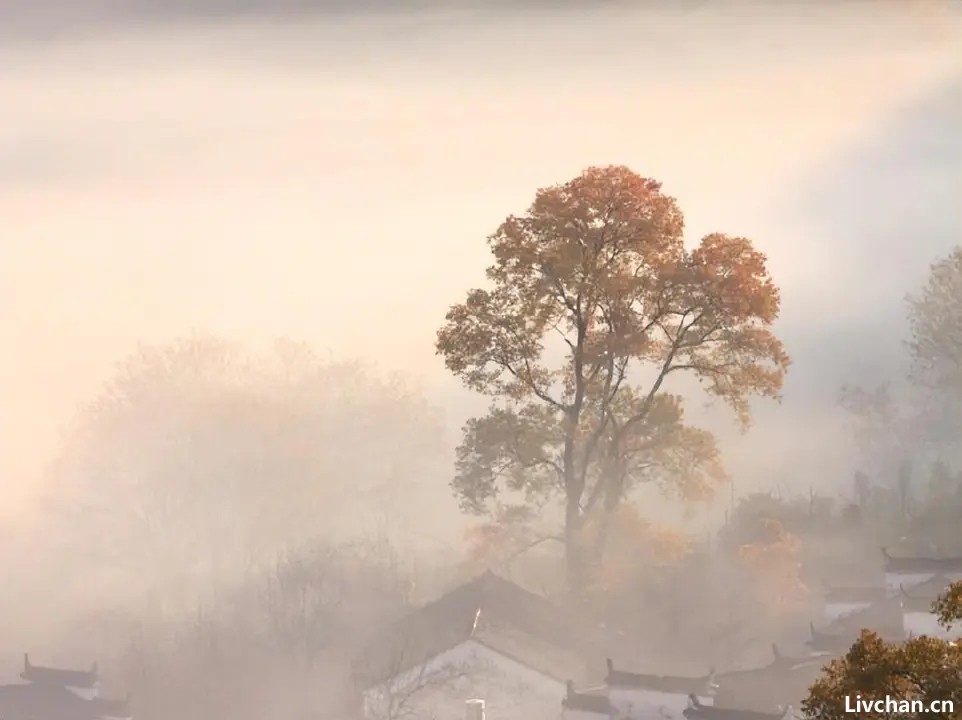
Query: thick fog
point(329, 177)
point(333, 180)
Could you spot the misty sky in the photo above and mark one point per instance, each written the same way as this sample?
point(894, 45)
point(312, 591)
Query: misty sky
point(332, 179)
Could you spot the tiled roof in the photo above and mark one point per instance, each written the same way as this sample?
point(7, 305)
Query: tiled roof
point(930, 589)
point(783, 681)
point(920, 564)
point(697, 711)
point(780, 663)
point(660, 683)
point(490, 609)
point(55, 676)
point(550, 658)
point(883, 617)
point(921, 597)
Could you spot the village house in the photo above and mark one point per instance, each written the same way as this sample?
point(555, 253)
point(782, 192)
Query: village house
point(884, 617)
point(488, 638)
point(637, 695)
point(917, 603)
point(57, 694)
point(491, 639)
point(910, 571)
point(895, 614)
point(771, 688)
point(699, 711)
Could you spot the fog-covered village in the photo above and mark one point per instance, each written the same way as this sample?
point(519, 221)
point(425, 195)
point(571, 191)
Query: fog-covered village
point(460, 360)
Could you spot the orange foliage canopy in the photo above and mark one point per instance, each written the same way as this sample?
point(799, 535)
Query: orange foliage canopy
point(635, 543)
point(588, 287)
point(774, 563)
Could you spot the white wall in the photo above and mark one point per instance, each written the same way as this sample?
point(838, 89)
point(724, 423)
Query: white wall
point(925, 623)
point(568, 714)
point(86, 693)
point(439, 688)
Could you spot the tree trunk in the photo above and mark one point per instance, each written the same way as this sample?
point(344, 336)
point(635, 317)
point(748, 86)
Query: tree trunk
point(613, 480)
point(575, 565)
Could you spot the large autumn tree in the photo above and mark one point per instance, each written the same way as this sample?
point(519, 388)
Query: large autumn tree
point(922, 668)
point(593, 303)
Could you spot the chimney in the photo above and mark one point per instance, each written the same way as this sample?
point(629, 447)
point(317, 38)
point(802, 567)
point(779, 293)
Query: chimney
point(474, 710)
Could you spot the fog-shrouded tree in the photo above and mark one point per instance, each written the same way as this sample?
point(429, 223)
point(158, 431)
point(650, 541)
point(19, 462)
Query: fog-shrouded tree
point(907, 431)
point(935, 353)
point(278, 644)
point(203, 457)
point(935, 321)
point(593, 304)
point(774, 561)
point(885, 427)
point(922, 668)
